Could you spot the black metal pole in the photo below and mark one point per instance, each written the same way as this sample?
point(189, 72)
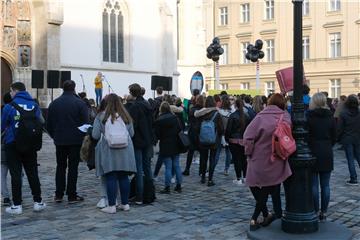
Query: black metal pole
point(299, 215)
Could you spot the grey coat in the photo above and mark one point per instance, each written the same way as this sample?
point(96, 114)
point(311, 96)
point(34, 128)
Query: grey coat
point(111, 159)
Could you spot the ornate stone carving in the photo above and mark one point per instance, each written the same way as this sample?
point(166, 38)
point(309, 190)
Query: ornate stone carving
point(9, 37)
point(23, 10)
point(24, 56)
point(23, 31)
point(8, 12)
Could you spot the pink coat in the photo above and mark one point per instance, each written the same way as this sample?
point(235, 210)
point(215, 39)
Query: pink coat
point(261, 171)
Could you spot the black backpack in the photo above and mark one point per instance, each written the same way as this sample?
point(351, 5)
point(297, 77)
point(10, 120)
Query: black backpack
point(28, 134)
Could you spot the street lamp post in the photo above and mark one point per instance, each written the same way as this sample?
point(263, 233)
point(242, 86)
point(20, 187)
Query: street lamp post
point(254, 53)
point(299, 215)
point(214, 50)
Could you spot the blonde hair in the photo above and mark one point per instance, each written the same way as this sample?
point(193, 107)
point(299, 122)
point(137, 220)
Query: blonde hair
point(318, 100)
point(258, 104)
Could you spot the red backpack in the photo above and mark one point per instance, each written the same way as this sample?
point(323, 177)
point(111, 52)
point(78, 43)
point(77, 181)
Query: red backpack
point(283, 143)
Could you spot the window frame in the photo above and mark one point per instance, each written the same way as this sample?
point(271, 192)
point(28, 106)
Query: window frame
point(223, 16)
point(270, 89)
point(335, 87)
point(244, 45)
point(306, 47)
point(335, 45)
point(306, 8)
point(270, 49)
point(245, 13)
point(224, 58)
point(269, 10)
point(244, 86)
point(334, 5)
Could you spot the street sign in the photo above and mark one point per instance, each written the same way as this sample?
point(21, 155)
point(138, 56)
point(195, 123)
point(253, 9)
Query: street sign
point(196, 82)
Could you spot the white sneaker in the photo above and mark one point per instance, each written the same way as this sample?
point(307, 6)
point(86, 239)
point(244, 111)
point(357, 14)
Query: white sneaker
point(243, 180)
point(237, 182)
point(125, 207)
point(14, 209)
point(39, 206)
point(155, 179)
point(109, 209)
point(102, 203)
point(173, 180)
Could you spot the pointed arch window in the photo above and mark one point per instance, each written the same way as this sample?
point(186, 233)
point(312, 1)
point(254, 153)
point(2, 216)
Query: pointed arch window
point(113, 32)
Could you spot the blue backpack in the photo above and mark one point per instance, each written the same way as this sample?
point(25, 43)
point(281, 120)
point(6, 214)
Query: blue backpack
point(251, 113)
point(208, 131)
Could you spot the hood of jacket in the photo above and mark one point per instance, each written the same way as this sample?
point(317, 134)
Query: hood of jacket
point(320, 113)
point(271, 109)
point(204, 111)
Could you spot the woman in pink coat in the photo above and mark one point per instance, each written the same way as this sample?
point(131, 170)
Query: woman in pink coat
point(264, 175)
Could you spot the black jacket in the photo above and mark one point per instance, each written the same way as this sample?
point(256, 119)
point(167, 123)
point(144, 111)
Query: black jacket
point(65, 115)
point(235, 129)
point(322, 137)
point(193, 125)
point(349, 127)
point(141, 113)
point(167, 127)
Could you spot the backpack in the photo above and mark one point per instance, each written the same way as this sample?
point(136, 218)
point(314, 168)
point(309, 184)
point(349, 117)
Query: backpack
point(208, 131)
point(116, 134)
point(28, 134)
point(283, 143)
point(250, 112)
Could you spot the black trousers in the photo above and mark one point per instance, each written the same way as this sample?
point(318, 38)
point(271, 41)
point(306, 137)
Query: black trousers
point(261, 197)
point(67, 157)
point(239, 159)
point(16, 161)
point(204, 157)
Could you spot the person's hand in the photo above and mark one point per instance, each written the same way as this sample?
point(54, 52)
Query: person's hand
point(89, 131)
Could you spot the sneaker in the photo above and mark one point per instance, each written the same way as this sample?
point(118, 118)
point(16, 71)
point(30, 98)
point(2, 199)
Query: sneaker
point(102, 203)
point(155, 179)
point(237, 182)
point(226, 172)
point(138, 202)
point(125, 207)
point(186, 172)
point(39, 206)
point(352, 182)
point(75, 199)
point(6, 202)
point(109, 209)
point(58, 199)
point(243, 180)
point(254, 225)
point(173, 180)
point(210, 183)
point(14, 209)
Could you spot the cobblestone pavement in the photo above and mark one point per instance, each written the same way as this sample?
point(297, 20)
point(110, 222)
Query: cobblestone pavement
point(200, 212)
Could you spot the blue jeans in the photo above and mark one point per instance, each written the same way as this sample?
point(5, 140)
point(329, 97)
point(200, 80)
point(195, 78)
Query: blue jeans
point(352, 152)
point(98, 93)
point(143, 167)
point(158, 165)
point(325, 190)
point(171, 162)
point(111, 187)
point(227, 154)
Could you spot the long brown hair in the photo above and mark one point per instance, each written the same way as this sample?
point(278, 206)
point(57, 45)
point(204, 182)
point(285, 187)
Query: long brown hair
point(240, 107)
point(114, 108)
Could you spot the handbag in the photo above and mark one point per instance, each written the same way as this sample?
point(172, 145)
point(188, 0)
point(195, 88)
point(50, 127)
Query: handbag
point(183, 139)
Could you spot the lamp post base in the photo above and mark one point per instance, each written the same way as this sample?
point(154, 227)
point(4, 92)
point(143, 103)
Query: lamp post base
point(299, 222)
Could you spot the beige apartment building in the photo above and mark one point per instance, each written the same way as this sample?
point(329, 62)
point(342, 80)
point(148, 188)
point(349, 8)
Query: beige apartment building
point(331, 43)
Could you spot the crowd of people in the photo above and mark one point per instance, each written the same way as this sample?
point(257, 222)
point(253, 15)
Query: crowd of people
point(125, 131)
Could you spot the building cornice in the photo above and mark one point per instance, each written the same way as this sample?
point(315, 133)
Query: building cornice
point(333, 24)
point(357, 21)
point(106, 68)
point(225, 36)
point(270, 31)
point(307, 27)
point(245, 34)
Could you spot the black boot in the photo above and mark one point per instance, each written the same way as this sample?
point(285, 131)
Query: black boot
point(166, 190)
point(186, 172)
point(178, 188)
point(203, 180)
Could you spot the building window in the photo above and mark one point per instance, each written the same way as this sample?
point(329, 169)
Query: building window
point(224, 57)
point(306, 47)
point(245, 86)
point(244, 51)
point(245, 13)
point(206, 87)
point(113, 32)
point(224, 86)
point(270, 50)
point(269, 88)
point(335, 45)
point(223, 16)
point(269, 9)
point(334, 5)
point(335, 88)
point(306, 8)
